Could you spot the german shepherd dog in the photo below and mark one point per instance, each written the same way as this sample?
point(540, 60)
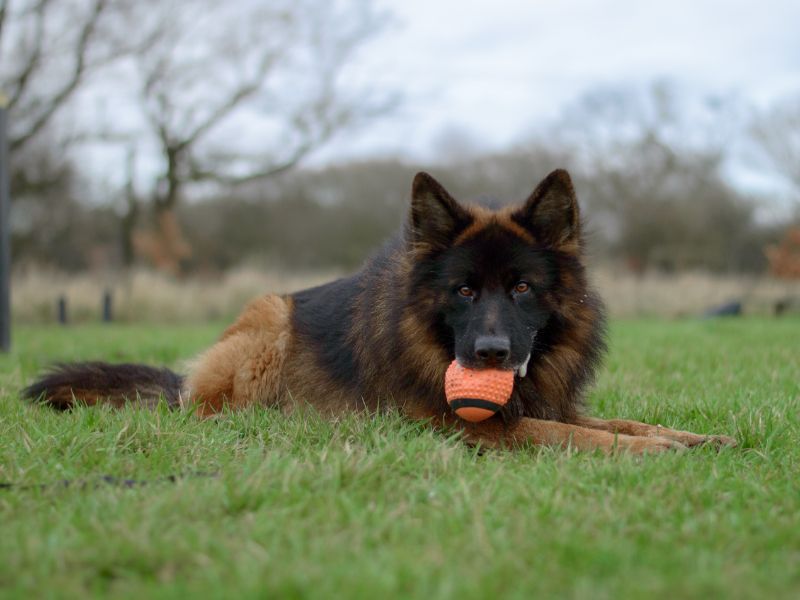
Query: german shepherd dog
point(489, 288)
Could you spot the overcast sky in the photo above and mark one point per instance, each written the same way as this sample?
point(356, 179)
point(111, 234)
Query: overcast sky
point(497, 69)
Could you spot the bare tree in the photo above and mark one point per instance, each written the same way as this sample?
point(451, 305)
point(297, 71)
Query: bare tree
point(607, 119)
point(48, 50)
point(238, 92)
point(651, 164)
point(777, 133)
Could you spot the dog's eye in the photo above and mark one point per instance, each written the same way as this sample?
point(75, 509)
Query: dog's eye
point(466, 291)
point(522, 287)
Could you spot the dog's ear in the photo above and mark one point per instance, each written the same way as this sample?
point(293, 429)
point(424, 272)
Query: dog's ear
point(551, 212)
point(436, 217)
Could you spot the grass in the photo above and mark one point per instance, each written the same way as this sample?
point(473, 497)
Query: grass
point(386, 508)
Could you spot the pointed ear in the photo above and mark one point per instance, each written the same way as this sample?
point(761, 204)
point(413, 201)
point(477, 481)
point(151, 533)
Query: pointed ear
point(551, 212)
point(436, 217)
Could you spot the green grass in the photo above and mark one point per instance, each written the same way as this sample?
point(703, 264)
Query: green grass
point(385, 508)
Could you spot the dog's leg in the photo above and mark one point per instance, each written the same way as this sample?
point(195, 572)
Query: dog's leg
point(634, 428)
point(242, 370)
point(245, 366)
point(552, 433)
point(494, 433)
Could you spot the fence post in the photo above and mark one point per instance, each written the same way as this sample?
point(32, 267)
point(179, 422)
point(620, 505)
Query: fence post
point(5, 231)
point(61, 307)
point(107, 306)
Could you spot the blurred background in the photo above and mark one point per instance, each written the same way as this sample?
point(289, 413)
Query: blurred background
point(185, 156)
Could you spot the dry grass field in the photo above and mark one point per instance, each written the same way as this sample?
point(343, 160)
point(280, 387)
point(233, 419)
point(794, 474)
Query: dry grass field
point(144, 296)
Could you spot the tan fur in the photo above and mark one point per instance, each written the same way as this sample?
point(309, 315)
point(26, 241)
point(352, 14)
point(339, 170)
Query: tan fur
point(306, 384)
point(483, 218)
point(551, 433)
point(493, 433)
point(246, 365)
point(634, 428)
point(65, 397)
point(257, 361)
point(427, 357)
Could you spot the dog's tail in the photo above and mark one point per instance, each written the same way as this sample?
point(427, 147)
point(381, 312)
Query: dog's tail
point(65, 385)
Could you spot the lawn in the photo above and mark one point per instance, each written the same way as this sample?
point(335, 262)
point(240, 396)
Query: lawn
point(385, 508)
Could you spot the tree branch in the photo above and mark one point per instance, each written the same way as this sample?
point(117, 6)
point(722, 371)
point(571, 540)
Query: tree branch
point(181, 132)
point(78, 72)
point(310, 141)
point(19, 83)
point(3, 12)
point(241, 94)
point(198, 174)
point(775, 133)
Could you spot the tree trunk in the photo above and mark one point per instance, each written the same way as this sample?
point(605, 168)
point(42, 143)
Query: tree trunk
point(164, 245)
point(127, 228)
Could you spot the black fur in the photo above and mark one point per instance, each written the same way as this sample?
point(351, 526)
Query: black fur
point(323, 318)
point(132, 382)
point(490, 265)
point(353, 325)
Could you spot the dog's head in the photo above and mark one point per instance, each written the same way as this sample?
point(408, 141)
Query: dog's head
point(490, 281)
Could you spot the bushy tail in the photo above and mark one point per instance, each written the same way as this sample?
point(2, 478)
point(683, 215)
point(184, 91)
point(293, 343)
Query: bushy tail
point(102, 383)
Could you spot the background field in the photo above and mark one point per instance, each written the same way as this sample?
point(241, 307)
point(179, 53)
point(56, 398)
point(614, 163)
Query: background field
point(365, 507)
point(148, 297)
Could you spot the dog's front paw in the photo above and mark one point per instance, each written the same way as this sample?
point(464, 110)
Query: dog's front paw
point(719, 441)
point(692, 440)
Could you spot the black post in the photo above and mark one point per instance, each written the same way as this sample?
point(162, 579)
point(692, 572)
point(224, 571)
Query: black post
point(62, 310)
point(5, 232)
point(107, 313)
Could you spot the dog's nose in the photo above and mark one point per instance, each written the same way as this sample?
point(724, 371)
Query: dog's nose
point(492, 349)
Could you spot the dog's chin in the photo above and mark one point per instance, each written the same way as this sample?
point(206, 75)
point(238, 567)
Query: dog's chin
point(520, 369)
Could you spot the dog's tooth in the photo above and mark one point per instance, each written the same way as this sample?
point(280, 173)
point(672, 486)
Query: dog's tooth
point(523, 368)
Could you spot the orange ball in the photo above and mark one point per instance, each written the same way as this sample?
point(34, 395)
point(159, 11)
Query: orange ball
point(476, 394)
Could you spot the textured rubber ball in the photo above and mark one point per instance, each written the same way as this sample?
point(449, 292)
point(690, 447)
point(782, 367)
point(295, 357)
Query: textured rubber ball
point(476, 394)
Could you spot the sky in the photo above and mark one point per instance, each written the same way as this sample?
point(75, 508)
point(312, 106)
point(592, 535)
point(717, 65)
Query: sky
point(495, 70)
point(489, 74)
